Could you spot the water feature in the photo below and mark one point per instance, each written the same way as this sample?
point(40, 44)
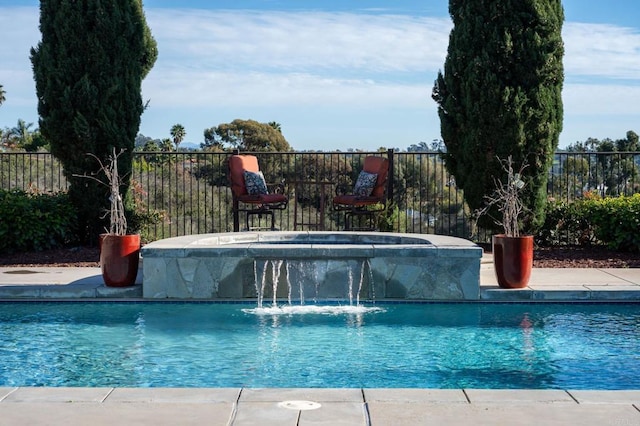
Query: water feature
point(294, 266)
point(295, 281)
point(390, 345)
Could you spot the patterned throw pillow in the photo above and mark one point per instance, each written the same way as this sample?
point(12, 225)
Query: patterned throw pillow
point(365, 184)
point(255, 183)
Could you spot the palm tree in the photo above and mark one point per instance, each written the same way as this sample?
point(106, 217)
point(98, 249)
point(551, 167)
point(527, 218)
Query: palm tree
point(2, 95)
point(275, 125)
point(178, 133)
point(165, 145)
point(21, 133)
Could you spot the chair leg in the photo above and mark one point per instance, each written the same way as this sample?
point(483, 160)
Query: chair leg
point(260, 213)
point(350, 216)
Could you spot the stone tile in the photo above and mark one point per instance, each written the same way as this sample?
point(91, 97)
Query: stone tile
point(576, 276)
point(134, 291)
point(305, 394)
point(607, 397)
point(116, 414)
point(62, 394)
point(19, 291)
point(502, 414)
point(73, 291)
point(513, 295)
point(174, 395)
point(416, 395)
point(631, 275)
point(50, 275)
point(5, 391)
point(503, 396)
point(564, 293)
point(614, 293)
point(264, 414)
point(335, 414)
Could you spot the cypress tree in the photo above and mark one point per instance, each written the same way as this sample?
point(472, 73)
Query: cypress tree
point(500, 95)
point(88, 69)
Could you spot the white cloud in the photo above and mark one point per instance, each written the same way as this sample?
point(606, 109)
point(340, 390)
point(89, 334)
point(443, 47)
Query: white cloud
point(195, 88)
point(601, 100)
point(601, 50)
point(300, 41)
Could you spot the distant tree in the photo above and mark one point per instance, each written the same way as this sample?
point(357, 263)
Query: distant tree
point(141, 141)
point(178, 134)
point(21, 137)
point(2, 95)
point(245, 135)
point(500, 95)
point(88, 68)
point(166, 145)
point(419, 147)
point(612, 174)
point(21, 133)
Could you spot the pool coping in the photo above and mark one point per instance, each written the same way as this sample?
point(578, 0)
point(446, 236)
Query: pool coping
point(546, 284)
point(348, 406)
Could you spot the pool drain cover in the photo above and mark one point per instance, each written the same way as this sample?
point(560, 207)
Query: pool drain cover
point(299, 405)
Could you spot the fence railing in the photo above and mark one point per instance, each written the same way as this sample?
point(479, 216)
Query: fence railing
point(190, 192)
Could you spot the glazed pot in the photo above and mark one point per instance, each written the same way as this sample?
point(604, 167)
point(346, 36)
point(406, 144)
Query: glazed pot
point(119, 259)
point(512, 260)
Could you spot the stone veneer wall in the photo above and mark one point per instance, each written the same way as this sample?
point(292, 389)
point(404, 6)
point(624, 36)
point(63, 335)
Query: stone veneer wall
point(315, 265)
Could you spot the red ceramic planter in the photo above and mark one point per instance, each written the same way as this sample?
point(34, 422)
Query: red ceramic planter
point(119, 258)
point(512, 260)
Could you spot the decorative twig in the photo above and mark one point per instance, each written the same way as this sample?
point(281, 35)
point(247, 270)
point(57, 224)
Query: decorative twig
point(117, 218)
point(507, 198)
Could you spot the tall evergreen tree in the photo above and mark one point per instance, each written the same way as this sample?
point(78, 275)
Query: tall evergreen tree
point(500, 95)
point(88, 69)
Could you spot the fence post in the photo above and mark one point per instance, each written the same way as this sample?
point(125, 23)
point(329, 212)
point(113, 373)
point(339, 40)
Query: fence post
point(390, 175)
point(235, 206)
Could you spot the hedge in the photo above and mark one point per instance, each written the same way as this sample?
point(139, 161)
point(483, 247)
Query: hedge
point(33, 222)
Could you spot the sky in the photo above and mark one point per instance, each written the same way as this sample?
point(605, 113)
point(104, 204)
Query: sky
point(336, 74)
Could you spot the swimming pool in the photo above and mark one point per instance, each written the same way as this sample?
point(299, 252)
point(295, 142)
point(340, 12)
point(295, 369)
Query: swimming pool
point(438, 345)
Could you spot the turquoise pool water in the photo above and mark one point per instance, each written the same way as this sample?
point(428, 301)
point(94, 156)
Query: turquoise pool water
point(535, 346)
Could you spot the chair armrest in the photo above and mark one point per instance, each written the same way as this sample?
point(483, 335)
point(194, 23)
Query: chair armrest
point(276, 188)
point(344, 186)
point(343, 189)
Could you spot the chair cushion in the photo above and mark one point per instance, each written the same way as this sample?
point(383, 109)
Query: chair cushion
point(237, 165)
point(379, 165)
point(255, 183)
point(264, 199)
point(365, 183)
point(353, 201)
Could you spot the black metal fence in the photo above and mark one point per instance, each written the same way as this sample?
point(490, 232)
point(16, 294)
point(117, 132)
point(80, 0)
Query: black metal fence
point(189, 194)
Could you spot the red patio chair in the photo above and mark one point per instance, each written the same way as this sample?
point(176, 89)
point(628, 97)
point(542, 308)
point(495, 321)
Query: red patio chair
point(369, 195)
point(251, 192)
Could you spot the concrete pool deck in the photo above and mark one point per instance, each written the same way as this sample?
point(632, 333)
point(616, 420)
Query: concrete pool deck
point(197, 406)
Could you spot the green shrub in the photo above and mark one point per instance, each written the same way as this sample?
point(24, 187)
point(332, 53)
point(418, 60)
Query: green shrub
point(616, 221)
point(31, 222)
point(565, 224)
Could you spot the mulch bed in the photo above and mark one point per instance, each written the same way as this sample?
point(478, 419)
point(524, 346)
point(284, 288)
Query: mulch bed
point(544, 257)
point(73, 256)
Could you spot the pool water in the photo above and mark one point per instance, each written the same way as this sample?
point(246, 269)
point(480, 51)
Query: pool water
point(469, 345)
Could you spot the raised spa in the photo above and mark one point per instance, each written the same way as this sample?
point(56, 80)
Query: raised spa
point(312, 266)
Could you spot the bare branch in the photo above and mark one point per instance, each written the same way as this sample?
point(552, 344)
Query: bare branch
point(506, 197)
point(117, 218)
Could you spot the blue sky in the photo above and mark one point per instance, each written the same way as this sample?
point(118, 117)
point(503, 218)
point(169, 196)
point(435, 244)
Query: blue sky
point(334, 74)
